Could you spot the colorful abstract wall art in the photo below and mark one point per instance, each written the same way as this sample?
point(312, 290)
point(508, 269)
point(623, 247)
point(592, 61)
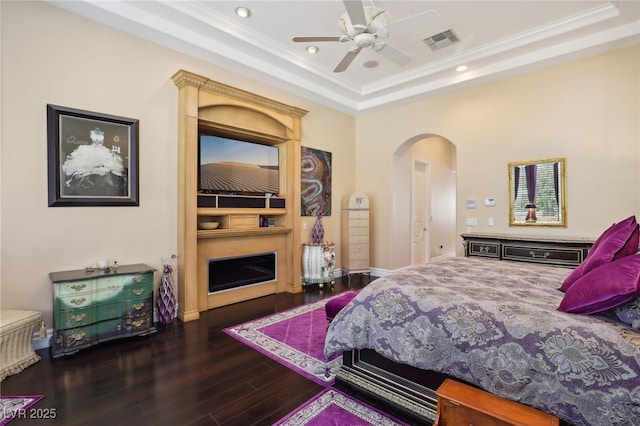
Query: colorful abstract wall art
point(316, 182)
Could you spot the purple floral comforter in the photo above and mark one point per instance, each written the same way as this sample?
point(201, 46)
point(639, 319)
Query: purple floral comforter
point(495, 324)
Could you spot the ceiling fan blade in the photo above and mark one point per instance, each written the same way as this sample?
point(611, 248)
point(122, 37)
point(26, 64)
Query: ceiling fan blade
point(355, 10)
point(348, 58)
point(314, 39)
point(422, 23)
point(392, 53)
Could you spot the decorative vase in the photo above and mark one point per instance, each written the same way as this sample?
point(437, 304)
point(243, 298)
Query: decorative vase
point(166, 297)
point(317, 233)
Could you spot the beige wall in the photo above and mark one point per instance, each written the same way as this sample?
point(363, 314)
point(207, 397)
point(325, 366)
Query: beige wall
point(50, 56)
point(587, 111)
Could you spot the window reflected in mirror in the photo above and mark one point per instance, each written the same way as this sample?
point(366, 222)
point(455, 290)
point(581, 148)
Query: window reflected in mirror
point(537, 192)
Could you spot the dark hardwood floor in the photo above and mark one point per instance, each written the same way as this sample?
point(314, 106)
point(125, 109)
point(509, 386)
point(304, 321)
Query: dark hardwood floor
point(186, 374)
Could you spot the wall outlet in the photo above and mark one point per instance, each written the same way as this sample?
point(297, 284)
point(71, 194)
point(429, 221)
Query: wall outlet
point(472, 221)
point(490, 221)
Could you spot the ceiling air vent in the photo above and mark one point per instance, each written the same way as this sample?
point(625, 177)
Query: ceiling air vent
point(440, 40)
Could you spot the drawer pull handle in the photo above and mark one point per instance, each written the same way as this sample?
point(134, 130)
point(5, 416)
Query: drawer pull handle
point(79, 301)
point(78, 318)
point(77, 336)
point(137, 291)
point(544, 255)
point(138, 323)
point(78, 287)
point(138, 306)
point(138, 279)
point(483, 249)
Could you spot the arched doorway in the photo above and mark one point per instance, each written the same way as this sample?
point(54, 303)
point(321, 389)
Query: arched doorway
point(424, 200)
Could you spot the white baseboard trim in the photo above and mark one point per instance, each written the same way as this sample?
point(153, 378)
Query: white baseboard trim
point(39, 343)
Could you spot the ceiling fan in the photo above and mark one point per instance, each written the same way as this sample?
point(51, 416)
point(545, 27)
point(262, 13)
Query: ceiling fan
point(368, 26)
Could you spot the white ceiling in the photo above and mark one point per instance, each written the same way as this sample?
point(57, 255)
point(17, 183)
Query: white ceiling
point(497, 39)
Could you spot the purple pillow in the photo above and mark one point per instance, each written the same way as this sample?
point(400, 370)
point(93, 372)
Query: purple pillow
point(606, 287)
point(619, 240)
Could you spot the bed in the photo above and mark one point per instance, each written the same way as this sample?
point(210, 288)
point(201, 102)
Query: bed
point(493, 324)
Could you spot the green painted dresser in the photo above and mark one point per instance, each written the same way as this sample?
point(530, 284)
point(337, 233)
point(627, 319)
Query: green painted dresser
point(93, 307)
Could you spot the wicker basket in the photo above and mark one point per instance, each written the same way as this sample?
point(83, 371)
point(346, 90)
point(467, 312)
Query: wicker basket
point(16, 340)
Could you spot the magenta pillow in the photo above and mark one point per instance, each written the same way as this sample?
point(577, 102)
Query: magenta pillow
point(606, 287)
point(619, 240)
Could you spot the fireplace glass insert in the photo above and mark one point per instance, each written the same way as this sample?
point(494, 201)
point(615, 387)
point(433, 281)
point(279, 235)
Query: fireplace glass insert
point(232, 272)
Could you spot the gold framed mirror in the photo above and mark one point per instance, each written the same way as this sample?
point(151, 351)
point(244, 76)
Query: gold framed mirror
point(537, 193)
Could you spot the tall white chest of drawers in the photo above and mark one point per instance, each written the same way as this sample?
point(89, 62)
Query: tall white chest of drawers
point(355, 234)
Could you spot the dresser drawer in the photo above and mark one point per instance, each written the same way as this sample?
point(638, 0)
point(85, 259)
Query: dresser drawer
point(109, 330)
point(541, 254)
point(360, 231)
point(359, 239)
point(110, 310)
point(85, 300)
point(72, 302)
point(137, 325)
point(72, 339)
point(484, 248)
point(136, 290)
point(359, 251)
point(74, 287)
point(137, 307)
point(359, 223)
point(356, 214)
point(75, 318)
point(358, 264)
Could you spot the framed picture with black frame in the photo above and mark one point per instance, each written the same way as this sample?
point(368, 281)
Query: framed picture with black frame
point(92, 158)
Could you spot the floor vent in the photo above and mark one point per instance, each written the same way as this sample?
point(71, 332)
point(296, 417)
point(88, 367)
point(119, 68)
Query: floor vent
point(440, 40)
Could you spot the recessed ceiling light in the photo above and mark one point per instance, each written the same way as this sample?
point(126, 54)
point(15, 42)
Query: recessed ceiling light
point(312, 49)
point(461, 68)
point(370, 64)
point(243, 12)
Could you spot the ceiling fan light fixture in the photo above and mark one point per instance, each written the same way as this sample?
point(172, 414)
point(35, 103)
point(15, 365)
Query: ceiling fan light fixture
point(461, 68)
point(243, 12)
point(312, 49)
point(371, 64)
point(364, 40)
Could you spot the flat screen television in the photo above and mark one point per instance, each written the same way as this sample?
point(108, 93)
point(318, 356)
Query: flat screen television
point(233, 166)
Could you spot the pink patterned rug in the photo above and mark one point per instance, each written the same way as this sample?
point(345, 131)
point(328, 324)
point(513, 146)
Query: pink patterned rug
point(331, 407)
point(295, 339)
point(19, 407)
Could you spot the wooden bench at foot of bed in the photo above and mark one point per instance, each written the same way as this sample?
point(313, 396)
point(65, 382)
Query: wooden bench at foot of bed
point(460, 404)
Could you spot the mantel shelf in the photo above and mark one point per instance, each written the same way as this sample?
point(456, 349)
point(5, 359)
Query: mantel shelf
point(224, 233)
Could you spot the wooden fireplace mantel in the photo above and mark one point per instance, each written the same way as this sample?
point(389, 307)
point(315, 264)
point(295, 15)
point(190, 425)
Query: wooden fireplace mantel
point(229, 111)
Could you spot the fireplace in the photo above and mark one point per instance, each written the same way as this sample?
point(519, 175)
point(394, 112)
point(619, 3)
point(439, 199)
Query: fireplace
point(239, 271)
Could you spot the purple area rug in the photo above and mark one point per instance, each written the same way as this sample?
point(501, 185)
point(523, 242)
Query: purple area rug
point(295, 339)
point(18, 407)
point(331, 407)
